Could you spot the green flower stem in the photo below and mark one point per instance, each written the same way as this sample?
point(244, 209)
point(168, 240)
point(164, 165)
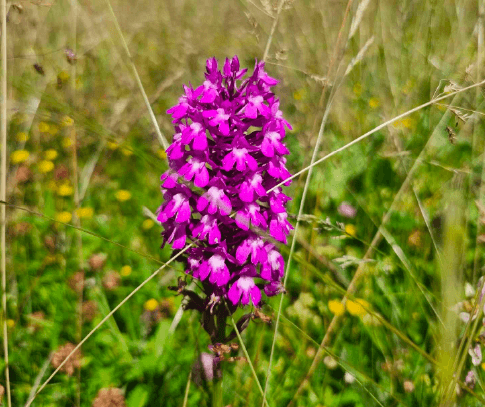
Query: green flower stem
point(217, 389)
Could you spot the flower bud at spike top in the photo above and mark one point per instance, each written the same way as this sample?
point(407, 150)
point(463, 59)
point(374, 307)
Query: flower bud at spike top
point(227, 151)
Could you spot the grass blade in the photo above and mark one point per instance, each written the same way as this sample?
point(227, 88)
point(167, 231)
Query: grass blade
point(161, 137)
point(3, 215)
point(265, 402)
point(273, 28)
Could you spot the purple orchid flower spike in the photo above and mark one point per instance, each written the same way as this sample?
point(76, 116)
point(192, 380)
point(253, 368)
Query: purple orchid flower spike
point(227, 151)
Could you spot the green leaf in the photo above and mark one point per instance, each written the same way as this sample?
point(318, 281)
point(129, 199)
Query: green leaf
point(138, 397)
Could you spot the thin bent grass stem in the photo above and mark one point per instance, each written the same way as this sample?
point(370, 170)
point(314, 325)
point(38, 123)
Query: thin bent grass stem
point(106, 318)
point(398, 250)
point(293, 244)
point(305, 189)
point(374, 130)
point(161, 137)
point(3, 194)
point(246, 354)
point(273, 28)
point(39, 377)
point(75, 171)
point(187, 389)
point(480, 43)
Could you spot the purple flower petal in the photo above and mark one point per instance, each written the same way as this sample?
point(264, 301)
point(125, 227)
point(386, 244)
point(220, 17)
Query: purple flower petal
point(476, 354)
point(246, 288)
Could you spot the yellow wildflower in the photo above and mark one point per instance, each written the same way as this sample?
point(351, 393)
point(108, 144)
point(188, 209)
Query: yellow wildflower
point(336, 307)
point(125, 271)
point(84, 213)
point(122, 195)
point(65, 190)
point(483, 366)
point(66, 121)
point(147, 224)
point(19, 156)
point(126, 151)
point(112, 145)
point(406, 123)
point(21, 137)
point(43, 127)
point(45, 166)
point(10, 323)
point(151, 304)
point(351, 230)
point(64, 217)
point(299, 94)
point(50, 155)
point(162, 154)
point(374, 102)
point(63, 76)
point(66, 142)
point(357, 307)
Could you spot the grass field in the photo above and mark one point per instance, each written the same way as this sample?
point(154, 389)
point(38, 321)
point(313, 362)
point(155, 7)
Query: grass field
point(383, 269)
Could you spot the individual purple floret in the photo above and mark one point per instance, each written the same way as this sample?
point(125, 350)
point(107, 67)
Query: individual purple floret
point(476, 354)
point(227, 151)
point(470, 379)
point(347, 210)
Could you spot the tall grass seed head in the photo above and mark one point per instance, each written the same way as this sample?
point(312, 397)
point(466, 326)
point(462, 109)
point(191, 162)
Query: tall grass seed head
point(228, 150)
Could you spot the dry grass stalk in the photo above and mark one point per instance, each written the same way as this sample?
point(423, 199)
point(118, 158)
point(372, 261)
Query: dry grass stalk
point(358, 17)
point(3, 215)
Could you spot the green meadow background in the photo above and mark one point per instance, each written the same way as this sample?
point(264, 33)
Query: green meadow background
point(83, 182)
